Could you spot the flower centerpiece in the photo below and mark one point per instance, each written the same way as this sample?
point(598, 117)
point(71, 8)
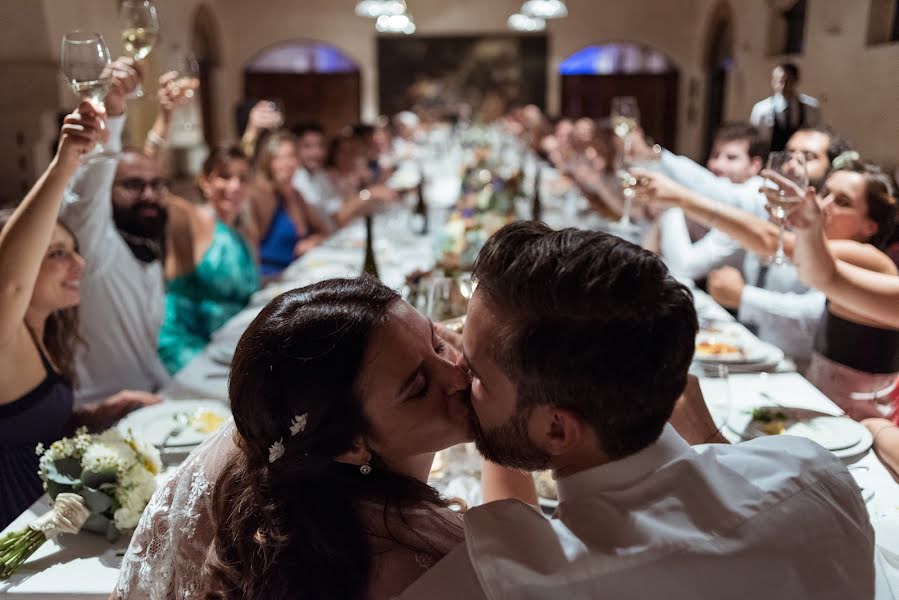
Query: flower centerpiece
point(98, 482)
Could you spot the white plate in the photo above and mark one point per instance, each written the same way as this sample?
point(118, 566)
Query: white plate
point(152, 424)
point(841, 435)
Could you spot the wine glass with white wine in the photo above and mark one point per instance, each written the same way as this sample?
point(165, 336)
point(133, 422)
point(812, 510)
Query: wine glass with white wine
point(140, 27)
point(85, 62)
point(785, 197)
point(625, 117)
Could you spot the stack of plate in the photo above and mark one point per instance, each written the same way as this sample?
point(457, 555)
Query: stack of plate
point(176, 427)
point(740, 352)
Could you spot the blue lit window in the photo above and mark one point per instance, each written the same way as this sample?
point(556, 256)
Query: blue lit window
point(616, 57)
point(303, 56)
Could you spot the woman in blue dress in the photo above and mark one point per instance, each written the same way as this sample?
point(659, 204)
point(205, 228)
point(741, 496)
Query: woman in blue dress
point(211, 263)
point(40, 273)
point(289, 227)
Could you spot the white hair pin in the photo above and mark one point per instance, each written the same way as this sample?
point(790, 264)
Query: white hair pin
point(275, 451)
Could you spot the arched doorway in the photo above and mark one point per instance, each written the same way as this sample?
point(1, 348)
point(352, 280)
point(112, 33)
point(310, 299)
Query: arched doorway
point(594, 75)
point(718, 63)
point(206, 48)
point(312, 80)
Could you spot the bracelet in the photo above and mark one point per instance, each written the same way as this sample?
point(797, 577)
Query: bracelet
point(156, 139)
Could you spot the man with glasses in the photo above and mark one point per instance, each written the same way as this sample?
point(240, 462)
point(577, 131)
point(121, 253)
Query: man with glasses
point(117, 212)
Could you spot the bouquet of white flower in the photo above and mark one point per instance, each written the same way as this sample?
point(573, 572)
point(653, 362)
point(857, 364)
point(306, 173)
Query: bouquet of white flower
point(100, 482)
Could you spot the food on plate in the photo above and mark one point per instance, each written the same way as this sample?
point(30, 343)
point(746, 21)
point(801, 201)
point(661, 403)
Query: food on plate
point(206, 421)
point(717, 349)
point(771, 422)
point(546, 485)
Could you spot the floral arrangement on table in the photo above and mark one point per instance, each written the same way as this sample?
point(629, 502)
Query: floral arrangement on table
point(98, 482)
point(487, 203)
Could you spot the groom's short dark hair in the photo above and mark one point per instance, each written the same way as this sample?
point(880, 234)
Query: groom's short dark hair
point(590, 323)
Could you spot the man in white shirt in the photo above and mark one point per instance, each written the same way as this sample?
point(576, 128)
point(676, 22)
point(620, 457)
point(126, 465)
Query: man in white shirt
point(311, 179)
point(771, 300)
point(580, 374)
point(787, 111)
point(117, 212)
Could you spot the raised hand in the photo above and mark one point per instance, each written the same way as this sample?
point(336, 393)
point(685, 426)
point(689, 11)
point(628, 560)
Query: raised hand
point(126, 76)
point(80, 131)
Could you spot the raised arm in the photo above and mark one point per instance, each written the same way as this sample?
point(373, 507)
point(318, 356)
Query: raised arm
point(87, 209)
point(25, 238)
point(868, 292)
point(173, 92)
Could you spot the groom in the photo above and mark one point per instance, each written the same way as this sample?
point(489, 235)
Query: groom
point(578, 344)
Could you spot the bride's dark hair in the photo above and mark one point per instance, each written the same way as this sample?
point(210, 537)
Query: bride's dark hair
point(291, 528)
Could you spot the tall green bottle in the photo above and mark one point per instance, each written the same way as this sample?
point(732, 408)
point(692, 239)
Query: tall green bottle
point(370, 267)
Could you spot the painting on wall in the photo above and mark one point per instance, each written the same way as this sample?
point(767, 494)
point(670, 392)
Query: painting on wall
point(484, 74)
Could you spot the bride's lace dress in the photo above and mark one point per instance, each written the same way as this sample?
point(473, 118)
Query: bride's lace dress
point(166, 554)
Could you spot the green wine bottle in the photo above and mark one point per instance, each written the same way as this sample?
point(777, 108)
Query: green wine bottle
point(370, 267)
point(537, 206)
point(421, 209)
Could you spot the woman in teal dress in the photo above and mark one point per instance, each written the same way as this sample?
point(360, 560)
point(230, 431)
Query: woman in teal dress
point(211, 264)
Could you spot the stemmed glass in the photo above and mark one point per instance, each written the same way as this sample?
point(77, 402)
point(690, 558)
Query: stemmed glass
point(185, 83)
point(140, 26)
point(625, 117)
point(784, 199)
point(86, 65)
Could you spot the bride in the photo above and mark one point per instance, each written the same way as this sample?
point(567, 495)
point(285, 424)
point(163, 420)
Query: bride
point(341, 394)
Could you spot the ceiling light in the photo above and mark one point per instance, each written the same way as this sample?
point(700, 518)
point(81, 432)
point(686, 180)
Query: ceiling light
point(395, 24)
point(520, 22)
point(377, 8)
point(544, 9)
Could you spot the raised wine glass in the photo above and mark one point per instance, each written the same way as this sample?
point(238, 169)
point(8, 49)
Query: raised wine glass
point(85, 62)
point(784, 199)
point(140, 27)
point(625, 117)
point(186, 84)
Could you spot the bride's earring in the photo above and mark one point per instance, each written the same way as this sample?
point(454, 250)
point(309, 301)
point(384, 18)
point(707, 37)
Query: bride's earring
point(365, 468)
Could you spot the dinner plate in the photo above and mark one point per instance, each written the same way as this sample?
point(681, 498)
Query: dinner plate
point(152, 424)
point(841, 435)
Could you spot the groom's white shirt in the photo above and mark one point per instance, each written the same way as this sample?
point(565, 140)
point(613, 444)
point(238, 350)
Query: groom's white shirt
point(774, 518)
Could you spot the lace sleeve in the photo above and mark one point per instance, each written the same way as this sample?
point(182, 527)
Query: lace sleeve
point(166, 554)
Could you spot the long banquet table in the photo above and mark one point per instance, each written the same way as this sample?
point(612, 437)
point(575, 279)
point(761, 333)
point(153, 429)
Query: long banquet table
point(86, 566)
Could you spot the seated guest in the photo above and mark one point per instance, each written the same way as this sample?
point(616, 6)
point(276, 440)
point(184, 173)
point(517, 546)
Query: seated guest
point(341, 394)
point(117, 212)
point(212, 267)
point(875, 296)
point(40, 274)
point(287, 225)
point(311, 179)
point(352, 180)
point(769, 299)
point(580, 375)
point(861, 210)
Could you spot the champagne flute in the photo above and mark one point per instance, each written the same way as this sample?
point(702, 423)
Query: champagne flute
point(85, 62)
point(140, 26)
point(783, 200)
point(625, 117)
point(185, 85)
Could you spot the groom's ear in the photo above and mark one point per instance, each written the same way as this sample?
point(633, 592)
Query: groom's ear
point(556, 430)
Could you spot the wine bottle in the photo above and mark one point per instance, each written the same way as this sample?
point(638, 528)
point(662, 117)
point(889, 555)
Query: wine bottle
point(421, 209)
point(537, 206)
point(371, 266)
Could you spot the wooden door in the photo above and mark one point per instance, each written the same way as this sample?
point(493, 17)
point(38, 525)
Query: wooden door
point(591, 96)
point(332, 99)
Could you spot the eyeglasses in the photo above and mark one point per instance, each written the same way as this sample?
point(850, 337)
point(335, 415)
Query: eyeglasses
point(136, 185)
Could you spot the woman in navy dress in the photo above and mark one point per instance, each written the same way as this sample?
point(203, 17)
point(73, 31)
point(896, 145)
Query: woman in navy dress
point(40, 272)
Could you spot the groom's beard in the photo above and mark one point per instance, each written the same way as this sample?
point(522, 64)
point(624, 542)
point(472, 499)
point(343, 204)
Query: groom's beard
point(144, 234)
point(509, 444)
